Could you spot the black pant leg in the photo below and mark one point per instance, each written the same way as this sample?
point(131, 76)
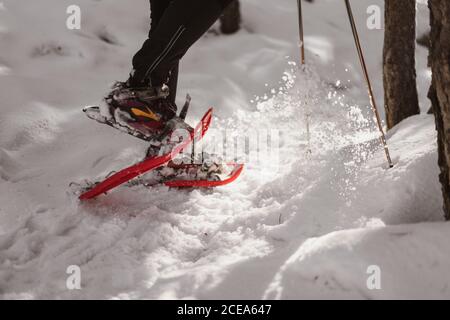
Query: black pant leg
point(173, 83)
point(157, 9)
point(173, 78)
point(181, 25)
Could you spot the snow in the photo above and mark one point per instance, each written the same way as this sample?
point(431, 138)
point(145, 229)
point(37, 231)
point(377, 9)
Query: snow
point(295, 225)
point(335, 265)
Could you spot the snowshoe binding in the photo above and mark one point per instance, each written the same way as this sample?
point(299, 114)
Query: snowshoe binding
point(176, 174)
point(146, 105)
point(144, 113)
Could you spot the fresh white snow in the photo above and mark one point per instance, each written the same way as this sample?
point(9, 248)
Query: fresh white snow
point(293, 226)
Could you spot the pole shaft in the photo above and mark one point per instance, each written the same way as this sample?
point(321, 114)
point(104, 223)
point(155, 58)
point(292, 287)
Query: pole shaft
point(300, 25)
point(303, 62)
point(369, 85)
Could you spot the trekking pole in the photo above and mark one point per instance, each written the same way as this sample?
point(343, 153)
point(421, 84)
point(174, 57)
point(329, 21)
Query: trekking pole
point(303, 62)
point(369, 85)
point(300, 28)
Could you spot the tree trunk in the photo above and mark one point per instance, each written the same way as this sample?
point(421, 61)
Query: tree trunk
point(230, 22)
point(399, 63)
point(440, 89)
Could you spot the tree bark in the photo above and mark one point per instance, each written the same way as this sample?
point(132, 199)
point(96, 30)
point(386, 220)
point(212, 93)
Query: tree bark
point(399, 63)
point(230, 22)
point(440, 89)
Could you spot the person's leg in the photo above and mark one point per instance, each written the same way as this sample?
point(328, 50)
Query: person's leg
point(157, 9)
point(172, 83)
point(182, 24)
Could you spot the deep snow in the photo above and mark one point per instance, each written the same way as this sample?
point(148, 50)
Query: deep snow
point(293, 226)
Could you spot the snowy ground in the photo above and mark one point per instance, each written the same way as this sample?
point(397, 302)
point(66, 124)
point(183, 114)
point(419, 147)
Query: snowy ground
point(301, 227)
